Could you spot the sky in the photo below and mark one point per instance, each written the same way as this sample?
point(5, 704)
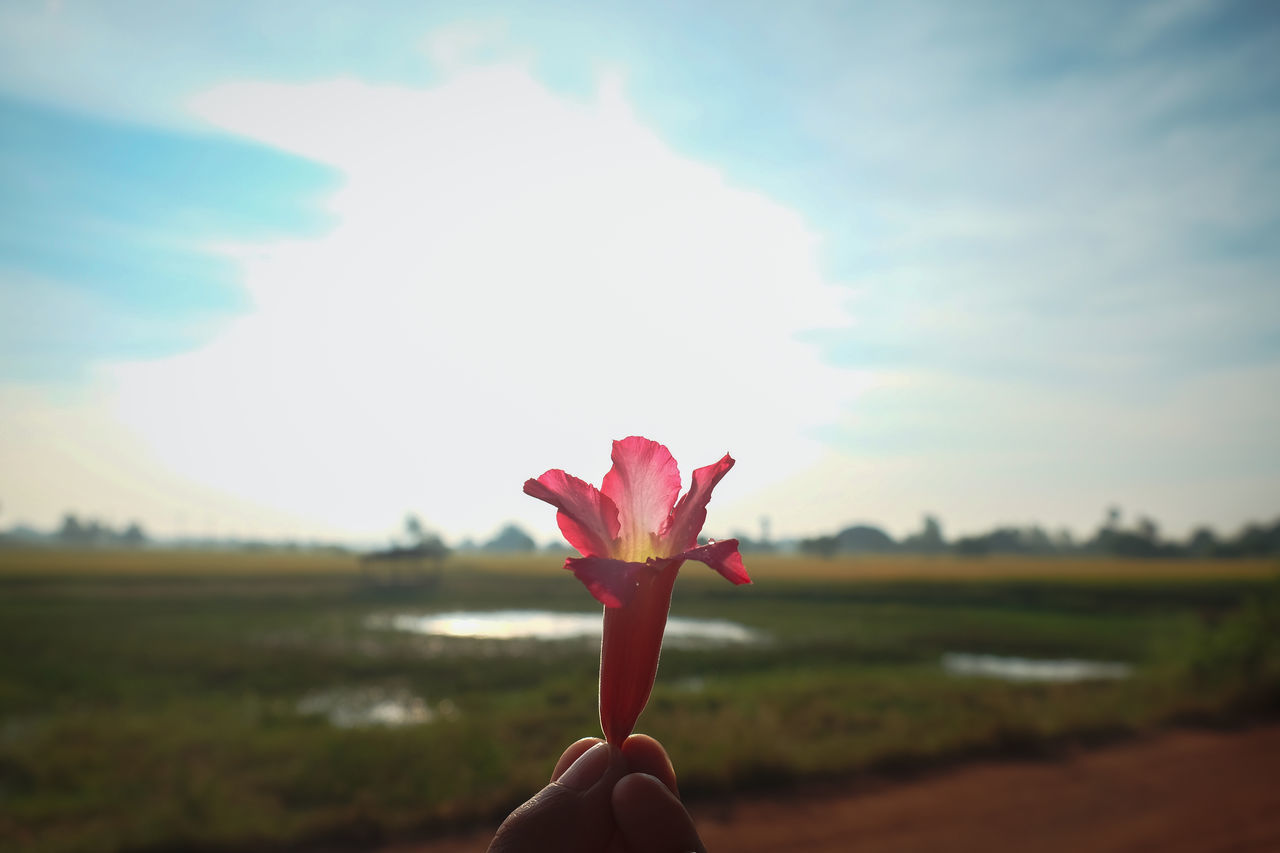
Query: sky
point(297, 269)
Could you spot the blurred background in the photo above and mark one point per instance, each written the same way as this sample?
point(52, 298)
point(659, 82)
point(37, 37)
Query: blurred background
point(295, 296)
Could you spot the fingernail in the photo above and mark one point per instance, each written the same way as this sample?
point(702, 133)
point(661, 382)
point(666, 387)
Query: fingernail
point(588, 769)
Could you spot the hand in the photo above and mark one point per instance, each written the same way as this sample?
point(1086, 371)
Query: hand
point(604, 800)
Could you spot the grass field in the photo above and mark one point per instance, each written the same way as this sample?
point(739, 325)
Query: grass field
point(151, 699)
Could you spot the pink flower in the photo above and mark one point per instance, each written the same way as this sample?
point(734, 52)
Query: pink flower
point(633, 536)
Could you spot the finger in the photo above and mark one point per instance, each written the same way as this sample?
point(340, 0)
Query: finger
point(573, 814)
point(646, 755)
point(572, 754)
point(651, 819)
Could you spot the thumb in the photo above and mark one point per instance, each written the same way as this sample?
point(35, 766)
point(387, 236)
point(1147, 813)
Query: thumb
point(571, 815)
point(651, 819)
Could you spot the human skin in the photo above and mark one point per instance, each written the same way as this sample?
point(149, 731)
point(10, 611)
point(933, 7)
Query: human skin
point(602, 799)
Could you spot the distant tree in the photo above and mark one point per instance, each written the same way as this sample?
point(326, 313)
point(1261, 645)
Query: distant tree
point(929, 540)
point(1113, 518)
point(70, 531)
point(1130, 543)
point(133, 536)
point(424, 541)
point(864, 539)
point(414, 528)
point(511, 539)
point(820, 546)
point(558, 546)
point(433, 547)
point(747, 545)
point(1036, 541)
point(1203, 543)
point(932, 532)
point(1007, 540)
point(1142, 541)
point(73, 532)
point(972, 546)
point(1258, 540)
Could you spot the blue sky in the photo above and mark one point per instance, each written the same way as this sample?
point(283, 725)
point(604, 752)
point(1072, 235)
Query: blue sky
point(102, 228)
point(291, 268)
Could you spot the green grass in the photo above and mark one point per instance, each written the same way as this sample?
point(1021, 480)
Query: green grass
point(148, 700)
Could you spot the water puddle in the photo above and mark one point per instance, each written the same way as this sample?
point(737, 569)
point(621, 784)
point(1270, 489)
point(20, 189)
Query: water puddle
point(1031, 669)
point(524, 625)
point(354, 708)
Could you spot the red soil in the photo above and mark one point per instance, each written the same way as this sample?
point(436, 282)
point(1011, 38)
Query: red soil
point(1177, 791)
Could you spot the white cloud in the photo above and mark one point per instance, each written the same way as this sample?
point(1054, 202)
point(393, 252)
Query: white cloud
point(516, 279)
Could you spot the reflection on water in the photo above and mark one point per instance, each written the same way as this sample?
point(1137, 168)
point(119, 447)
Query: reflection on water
point(550, 625)
point(351, 708)
point(1029, 669)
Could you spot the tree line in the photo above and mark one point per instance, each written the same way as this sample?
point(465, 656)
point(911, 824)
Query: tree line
point(77, 532)
point(1112, 538)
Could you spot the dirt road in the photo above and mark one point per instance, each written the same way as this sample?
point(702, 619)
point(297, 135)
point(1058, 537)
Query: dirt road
point(1178, 791)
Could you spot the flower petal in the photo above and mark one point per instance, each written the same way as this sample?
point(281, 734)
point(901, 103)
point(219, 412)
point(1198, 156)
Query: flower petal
point(643, 483)
point(587, 518)
point(691, 513)
point(723, 556)
point(611, 582)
